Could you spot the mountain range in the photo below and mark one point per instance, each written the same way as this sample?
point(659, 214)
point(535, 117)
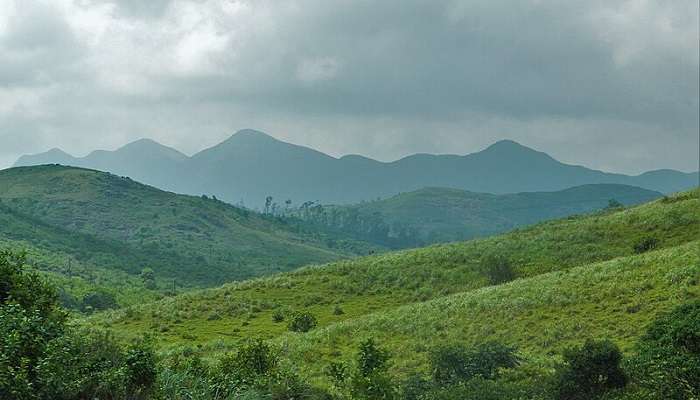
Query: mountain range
point(251, 165)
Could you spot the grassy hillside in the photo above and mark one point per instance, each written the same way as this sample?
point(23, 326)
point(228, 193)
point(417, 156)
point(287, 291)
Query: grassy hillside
point(375, 284)
point(76, 263)
point(194, 240)
point(438, 215)
point(541, 315)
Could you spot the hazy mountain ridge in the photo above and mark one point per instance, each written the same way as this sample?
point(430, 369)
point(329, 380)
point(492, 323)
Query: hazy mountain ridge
point(250, 165)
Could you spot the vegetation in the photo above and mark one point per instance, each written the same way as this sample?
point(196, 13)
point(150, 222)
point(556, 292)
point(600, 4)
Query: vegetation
point(41, 357)
point(100, 219)
point(371, 285)
point(527, 338)
point(435, 215)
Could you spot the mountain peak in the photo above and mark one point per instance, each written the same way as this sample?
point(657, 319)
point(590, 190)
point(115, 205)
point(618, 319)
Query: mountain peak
point(507, 144)
point(251, 134)
point(149, 146)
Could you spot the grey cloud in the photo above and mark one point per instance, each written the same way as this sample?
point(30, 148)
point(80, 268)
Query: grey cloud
point(599, 83)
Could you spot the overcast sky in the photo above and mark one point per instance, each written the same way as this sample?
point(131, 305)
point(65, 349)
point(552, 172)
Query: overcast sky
point(607, 84)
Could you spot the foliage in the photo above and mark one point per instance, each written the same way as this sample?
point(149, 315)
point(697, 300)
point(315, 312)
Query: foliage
point(590, 371)
point(498, 269)
point(122, 225)
point(278, 316)
point(369, 378)
point(149, 278)
point(434, 215)
point(646, 244)
point(98, 301)
point(457, 364)
point(302, 322)
point(667, 360)
point(43, 358)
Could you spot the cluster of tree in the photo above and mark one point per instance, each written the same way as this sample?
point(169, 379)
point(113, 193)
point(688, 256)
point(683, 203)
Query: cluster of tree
point(42, 357)
point(349, 222)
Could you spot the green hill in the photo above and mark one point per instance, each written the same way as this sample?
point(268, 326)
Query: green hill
point(118, 224)
point(76, 263)
point(541, 316)
point(438, 215)
point(379, 283)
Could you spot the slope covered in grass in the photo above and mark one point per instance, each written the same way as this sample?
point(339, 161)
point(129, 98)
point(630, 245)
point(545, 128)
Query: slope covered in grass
point(542, 315)
point(372, 284)
point(198, 241)
point(77, 264)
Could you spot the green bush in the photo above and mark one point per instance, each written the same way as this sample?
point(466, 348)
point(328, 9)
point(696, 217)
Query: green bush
point(455, 364)
point(43, 358)
point(646, 244)
point(253, 359)
point(302, 322)
point(498, 269)
point(278, 316)
point(667, 361)
point(589, 371)
point(98, 301)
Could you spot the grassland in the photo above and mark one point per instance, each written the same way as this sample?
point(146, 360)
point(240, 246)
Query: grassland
point(126, 226)
point(541, 315)
point(220, 318)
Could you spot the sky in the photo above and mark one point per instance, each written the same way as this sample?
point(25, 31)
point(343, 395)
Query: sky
point(608, 84)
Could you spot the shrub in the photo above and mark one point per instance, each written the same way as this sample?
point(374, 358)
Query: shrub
point(498, 269)
point(253, 359)
point(302, 322)
point(277, 316)
point(370, 381)
point(43, 358)
point(667, 361)
point(99, 300)
point(646, 244)
point(454, 364)
point(589, 371)
point(149, 278)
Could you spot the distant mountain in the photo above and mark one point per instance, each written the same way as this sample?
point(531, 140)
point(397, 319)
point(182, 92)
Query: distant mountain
point(250, 165)
point(434, 215)
point(116, 223)
point(144, 160)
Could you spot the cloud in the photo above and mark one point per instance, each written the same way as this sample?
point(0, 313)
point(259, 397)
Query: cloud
point(600, 83)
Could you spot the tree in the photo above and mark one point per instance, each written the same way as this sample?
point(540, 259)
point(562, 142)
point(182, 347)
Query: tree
point(149, 278)
point(455, 363)
point(98, 300)
point(613, 204)
point(667, 361)
point(268, 203)
point(253, 359)
point(589, 371)
point(498, 269)
point(43, 358)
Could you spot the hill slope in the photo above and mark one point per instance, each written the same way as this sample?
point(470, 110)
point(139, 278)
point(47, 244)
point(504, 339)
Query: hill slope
point(78, 264)
point(541, 316)
point(434, 215)
point(199, 241)
point(250, 165)
point(368, 285)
